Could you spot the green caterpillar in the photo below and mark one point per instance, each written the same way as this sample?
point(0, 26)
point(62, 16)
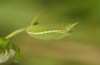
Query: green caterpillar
point(50, 32)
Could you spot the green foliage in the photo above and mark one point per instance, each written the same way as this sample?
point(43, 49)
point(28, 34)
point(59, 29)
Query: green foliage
point(3, 42)
point(7, 50)
point(16, 57)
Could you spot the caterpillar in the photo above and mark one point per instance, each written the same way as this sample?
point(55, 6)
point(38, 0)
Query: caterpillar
point(50, 32)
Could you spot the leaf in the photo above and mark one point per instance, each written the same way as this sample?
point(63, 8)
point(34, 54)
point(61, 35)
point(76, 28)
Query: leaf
point(8, 49)
point(16, 57)
point(4, 44)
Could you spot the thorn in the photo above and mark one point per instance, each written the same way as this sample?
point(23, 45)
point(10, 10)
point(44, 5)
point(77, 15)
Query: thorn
point(34, 19)
point(72, 25)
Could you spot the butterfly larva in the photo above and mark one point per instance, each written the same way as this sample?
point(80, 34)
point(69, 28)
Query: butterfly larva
point(50, 32)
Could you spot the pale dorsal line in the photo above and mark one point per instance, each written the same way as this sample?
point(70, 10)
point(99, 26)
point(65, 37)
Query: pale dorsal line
point(45, 32)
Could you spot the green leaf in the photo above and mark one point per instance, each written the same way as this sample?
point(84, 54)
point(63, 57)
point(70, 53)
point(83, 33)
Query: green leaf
point(16, 57)
point(4, 44)
point(2, 41)
point(12, 50)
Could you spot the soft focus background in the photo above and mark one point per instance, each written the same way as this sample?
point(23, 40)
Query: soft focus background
point(82, 49)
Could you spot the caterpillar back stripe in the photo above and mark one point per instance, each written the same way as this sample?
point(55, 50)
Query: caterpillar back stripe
point(46, 32)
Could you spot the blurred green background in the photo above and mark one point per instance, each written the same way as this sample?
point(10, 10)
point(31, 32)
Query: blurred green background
point(82, 49)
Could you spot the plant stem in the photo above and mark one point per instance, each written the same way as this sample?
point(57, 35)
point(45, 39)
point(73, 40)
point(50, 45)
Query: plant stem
point(15, 33)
